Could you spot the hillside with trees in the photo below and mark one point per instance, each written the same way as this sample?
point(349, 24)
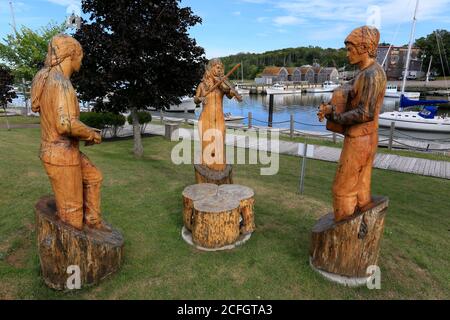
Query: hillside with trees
point(254, 63)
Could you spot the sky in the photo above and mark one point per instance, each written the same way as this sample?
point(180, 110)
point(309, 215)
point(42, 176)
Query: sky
point(233, 26)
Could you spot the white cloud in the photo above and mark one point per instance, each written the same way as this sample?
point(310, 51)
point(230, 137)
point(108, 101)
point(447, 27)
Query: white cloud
point(287, 21)
point(66, 3)
point(262, 19)
point(236, 13)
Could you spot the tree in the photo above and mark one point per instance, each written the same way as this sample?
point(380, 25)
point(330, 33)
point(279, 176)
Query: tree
point(24, 52)
point(436, 44)
point(7, 93)
point(138, 55)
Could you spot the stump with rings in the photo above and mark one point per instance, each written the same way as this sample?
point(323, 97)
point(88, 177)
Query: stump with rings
point(217, 217)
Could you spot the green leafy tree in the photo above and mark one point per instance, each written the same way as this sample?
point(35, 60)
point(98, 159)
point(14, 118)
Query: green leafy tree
point(7, 93)
point(436, 44)
point(24, 52)
point(254, 63)
point(138, 54)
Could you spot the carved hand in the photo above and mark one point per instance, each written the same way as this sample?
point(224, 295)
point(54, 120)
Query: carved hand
point(324, 109)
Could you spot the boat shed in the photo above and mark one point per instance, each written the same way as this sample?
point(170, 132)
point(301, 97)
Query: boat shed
point(307, 73)
point(272, 75)
point(295, 75)
point(327, 74)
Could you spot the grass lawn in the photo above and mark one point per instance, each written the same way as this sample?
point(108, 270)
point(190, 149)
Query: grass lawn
point(18, 120)
point(142, 198)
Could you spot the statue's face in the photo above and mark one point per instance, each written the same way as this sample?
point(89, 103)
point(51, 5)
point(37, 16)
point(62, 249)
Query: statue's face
point(352, 54)
point(217, 70)
point(76, 62)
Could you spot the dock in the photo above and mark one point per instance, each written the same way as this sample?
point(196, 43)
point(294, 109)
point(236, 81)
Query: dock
point(411, 165)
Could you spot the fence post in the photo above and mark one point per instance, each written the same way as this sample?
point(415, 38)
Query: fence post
point(334, 137)
point(270, 121)
point(161, 114)
point(249, 120)
point(391, 135)
point(291, 131)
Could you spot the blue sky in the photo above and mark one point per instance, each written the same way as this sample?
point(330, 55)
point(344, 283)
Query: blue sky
point(232, 26)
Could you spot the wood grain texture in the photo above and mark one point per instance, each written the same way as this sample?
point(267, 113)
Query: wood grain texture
point(204, 174)
point(348, 247)
point(194, 193)
point(97, 253)
point(216, 221)
point(218, 215)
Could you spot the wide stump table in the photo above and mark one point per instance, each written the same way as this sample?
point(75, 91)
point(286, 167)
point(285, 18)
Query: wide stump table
point(217, 217)
point(61, 247)
point(343, 251)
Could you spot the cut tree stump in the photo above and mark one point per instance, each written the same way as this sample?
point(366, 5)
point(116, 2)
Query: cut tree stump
point(217, 217)
point(204, 174)
point(343, 251)
point(216, 222)
point(98, 254)
point(194, 193)
point(245, 195)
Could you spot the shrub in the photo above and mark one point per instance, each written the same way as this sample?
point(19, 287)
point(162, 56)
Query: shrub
point(144, 118)
point(105, 121)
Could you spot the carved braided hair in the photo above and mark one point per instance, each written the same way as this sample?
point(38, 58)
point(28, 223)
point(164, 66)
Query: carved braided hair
point(60, 48)
point(208, 77)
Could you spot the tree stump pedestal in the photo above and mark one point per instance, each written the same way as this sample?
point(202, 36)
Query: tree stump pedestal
point(343, 251)
point(217, 217)
point(203, 174)
point(63, 249)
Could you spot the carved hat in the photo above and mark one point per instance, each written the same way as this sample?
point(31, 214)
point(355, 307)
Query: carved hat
point(365, 39)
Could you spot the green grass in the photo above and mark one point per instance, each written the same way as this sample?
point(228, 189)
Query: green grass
point(19, 120)
point(142, 198)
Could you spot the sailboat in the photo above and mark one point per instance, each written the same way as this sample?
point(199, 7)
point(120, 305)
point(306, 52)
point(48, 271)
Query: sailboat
point(425, 120)
point(238, 87)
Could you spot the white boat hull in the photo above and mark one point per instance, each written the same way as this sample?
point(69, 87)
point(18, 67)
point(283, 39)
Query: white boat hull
point(412, 121)
point(409, 95)
point(288, 91)
point(243, 91)
point(319, 90)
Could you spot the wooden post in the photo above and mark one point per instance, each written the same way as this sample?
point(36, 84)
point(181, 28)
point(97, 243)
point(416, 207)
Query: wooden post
point(391, 135)
point(161, 114)
point(270, 110)
point(291, 129)
point(334, 137)
point(250, 120)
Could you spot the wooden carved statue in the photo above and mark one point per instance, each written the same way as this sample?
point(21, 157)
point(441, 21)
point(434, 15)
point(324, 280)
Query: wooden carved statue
point(69, 226)
point(354, 111)
point(210, 93)
point(76, 182)
point(345, 243)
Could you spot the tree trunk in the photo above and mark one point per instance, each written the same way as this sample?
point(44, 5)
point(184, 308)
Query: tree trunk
point(216, 222)
point(138, 147)
point(347, 248)
point(6, 117)
point(96, 253)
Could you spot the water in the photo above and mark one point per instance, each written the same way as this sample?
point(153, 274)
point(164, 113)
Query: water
point(304, 109)
point(302, 106)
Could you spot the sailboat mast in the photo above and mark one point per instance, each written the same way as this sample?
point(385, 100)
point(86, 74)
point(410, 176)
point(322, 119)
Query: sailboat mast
point(411, 39)
point(13, 17)
point(429, 68)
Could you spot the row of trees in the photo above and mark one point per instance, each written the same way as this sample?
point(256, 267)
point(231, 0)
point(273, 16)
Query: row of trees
point(255, 63)
point(137, 55)
point(436, 45)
